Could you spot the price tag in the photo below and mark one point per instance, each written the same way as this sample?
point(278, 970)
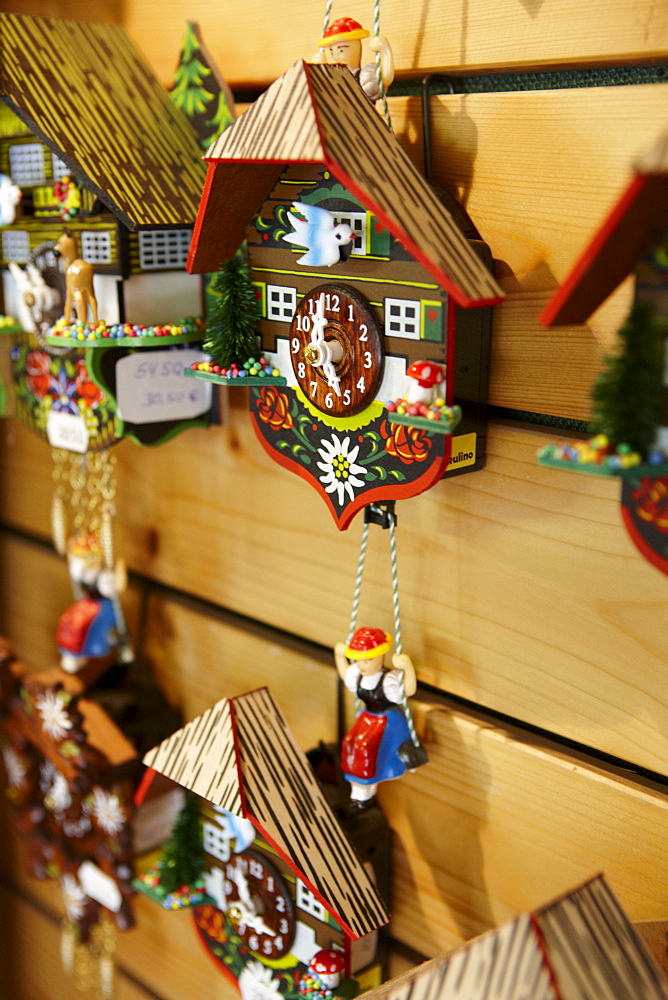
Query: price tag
point(151, 387)
point(67, 430)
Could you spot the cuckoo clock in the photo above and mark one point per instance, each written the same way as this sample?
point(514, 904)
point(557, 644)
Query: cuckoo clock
point(118, 269)
point(580, 945)
point(630, 398)
point(283, 881)
point(373, 302)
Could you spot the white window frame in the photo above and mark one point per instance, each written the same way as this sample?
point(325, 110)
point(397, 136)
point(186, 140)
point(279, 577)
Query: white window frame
point(96, 246)
point(358, 223)
point(26, 164)
point(16, 245)
point(397, 320)
point(216, 841)
point(163, 249)
point(59, 167)
point(287, 303)
point(308, 903)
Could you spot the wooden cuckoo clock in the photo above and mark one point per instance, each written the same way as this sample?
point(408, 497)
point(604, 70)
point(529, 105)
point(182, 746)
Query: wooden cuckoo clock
point(283, 883)
point(97, 265)
point(363, 281)
point(630, 398)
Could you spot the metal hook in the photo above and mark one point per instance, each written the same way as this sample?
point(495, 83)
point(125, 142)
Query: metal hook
point(380, 513)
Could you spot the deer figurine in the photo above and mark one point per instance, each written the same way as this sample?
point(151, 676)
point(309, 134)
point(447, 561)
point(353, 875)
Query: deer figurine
point(78, 278)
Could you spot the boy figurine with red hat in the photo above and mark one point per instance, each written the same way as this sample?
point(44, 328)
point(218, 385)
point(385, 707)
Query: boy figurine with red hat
point(342, 43)
point(379, 746)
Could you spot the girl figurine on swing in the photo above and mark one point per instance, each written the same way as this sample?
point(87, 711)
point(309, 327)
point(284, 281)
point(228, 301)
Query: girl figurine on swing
point(381, 744)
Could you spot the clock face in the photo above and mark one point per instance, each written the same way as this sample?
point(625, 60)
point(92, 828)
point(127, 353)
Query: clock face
point(259, 905)
point(336, 349)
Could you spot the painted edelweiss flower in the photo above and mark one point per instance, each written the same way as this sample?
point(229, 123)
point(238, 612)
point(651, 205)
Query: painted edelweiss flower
point(257, 983)
point(55, 720)
point(340, 471)
point(15, 767)
point(58, 797)
point(74, 898)
point(108, 810)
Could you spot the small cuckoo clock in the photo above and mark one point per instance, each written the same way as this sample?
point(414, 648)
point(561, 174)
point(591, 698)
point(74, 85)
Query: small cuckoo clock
point(373, 303)
point(630, 399)
point(109, 193)
point(283, 883)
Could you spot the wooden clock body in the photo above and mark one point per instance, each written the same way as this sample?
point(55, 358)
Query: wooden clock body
point(383, 311)
point(288, 924)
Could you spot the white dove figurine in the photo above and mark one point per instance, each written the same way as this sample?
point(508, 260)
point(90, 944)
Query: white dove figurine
point(319, 233)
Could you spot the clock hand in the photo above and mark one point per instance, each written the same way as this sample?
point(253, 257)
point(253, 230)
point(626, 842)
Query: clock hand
point(256, 923)
point(321, 353)
point(244, 892)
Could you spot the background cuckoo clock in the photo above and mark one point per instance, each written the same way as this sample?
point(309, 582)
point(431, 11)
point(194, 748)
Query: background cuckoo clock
point(373, 294)
point(630, 396)
point(283, 883)
point(128, 231)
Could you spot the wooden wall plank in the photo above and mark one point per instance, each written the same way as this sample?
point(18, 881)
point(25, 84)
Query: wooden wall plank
point(30, 963)
point(494, 826)
point(468, 35)
point(197, 660)
point(539, 171)
point(520, 589)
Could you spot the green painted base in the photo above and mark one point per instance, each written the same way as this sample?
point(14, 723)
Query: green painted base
point(104, 343)
point(169, 900)
point(442, 426)
point(242, 380)
point(7, 327)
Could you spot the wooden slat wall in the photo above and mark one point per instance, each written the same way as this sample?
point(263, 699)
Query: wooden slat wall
point(521, 592)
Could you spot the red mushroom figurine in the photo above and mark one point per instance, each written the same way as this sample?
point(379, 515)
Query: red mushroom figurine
point(427, 383)
point(327, 965)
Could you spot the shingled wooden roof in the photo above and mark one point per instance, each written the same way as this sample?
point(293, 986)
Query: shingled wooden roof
point(87, 93)
point(319, 114)
point(240, 755)
point(579, 947)
point(637, 221)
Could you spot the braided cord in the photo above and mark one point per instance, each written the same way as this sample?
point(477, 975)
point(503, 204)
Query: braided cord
point(379, 75)
point(397, 627)
point(358, 581)
point(328, 15)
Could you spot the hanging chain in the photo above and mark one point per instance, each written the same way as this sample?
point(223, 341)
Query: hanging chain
point(60, 498)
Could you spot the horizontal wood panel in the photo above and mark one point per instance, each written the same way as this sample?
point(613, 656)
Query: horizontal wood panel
point(519, 587)
point(30, 962)
point(494, 826)
point(539, 172)
point(473, 35)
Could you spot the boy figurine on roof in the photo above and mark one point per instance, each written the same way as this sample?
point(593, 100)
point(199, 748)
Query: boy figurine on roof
point(342, 43)
point(380, 745)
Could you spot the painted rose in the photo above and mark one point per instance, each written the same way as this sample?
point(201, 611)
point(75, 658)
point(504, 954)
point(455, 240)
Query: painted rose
point(86, 388)
point(408, 444)
point(651, 503)
point(272, 408)
point(38, 373)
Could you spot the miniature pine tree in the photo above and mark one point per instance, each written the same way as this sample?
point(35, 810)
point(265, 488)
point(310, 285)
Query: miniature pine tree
point(231, 328)
point(220, 120)
point(189, 92)
point(627, 395)
point(182, 860)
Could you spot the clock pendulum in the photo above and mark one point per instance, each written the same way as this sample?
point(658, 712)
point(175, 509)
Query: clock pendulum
point(382, 744)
